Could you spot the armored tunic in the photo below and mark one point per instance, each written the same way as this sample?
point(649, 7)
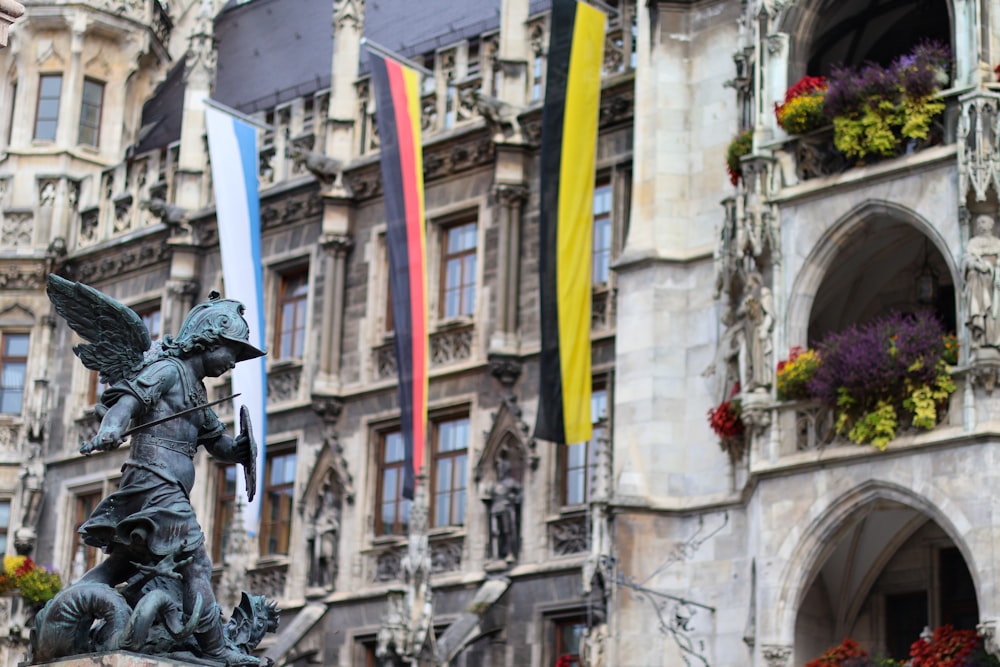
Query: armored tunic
point(151, 511)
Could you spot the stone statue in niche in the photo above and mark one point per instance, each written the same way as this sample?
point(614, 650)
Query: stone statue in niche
point(153, 592)
point(756, 311)
point(504, 498)
point(981, 288)
point(324, 531)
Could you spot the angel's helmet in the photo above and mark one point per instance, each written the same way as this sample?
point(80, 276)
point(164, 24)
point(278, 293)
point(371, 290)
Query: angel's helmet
point(220, 319)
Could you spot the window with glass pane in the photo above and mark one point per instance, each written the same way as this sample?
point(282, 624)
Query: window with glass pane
point(537, 74)
point(579, 459)
point(47, 117)
point(83, 507)
point(225, 509)
point(449, 476)
point(569, 633)
point(90, 112)
point(291, 326)
point(13, 367)
point(4, 524)
point(276, 509)
point(458, 270)
point(601, 263)
point(151, 318)
point(393, 516)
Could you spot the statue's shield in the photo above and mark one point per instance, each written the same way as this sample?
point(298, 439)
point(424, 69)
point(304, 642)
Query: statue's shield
point(249, 465)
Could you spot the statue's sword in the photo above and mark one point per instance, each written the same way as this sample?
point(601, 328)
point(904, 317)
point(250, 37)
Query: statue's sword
point(187, 411)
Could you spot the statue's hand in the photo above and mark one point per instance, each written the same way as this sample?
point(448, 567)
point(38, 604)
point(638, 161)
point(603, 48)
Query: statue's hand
point(105, 440)
point(241, 447)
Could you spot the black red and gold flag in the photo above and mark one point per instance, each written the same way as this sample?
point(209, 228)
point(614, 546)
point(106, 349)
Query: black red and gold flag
point(397, 112)
point(568, 153)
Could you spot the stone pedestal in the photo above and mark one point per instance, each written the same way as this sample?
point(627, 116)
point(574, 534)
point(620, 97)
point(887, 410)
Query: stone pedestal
point(116, 659)
point(9, 10)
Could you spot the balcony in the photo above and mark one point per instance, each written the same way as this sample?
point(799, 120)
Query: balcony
point(812, 155)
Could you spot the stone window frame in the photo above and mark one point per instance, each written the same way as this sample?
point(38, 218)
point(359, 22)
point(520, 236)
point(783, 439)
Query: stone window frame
point(600, 383)
point(223, 511)
point(6, 359)
point(299, 302)
point(399, 527)
point(42, 77)
point(97, 487)
point(461, 255)
point(82, 125)
point(434, 458)
point(283, 548)
point(438, 223)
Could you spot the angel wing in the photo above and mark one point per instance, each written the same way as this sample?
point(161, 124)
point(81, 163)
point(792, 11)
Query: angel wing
point(116, 336)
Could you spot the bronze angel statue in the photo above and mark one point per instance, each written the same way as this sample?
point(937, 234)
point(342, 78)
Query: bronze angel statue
point(148, 527)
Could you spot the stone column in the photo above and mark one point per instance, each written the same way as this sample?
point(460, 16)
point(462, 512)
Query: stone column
point(72, 84)
point(335, 248)
point(511, 198)
point(348, 26)
point(514, 51)
point(199, 75)
point(180, 299)
point(9, 10)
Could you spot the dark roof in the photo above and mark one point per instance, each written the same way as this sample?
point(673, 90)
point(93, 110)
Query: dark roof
point(162, 113)
point(272, 51)
point(413, 28)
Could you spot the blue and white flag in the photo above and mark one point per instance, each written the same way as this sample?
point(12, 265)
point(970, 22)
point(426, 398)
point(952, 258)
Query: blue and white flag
point(232, 147)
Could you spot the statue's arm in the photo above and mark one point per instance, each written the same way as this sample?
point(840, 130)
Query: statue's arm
point(114, 423)
point(228, 449)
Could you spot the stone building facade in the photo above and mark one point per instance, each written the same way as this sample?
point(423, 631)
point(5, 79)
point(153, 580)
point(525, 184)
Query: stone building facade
point(651, 545)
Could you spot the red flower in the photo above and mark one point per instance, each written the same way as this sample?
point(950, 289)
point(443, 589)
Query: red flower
point(947, 648)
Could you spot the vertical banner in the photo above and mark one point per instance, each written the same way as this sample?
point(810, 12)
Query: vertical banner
point(397, 112)
point(232, 147)
point(568, 153)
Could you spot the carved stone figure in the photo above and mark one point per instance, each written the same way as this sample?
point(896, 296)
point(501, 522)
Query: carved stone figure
point(501, 117)
point(174, 217)
point(148, 527)
point(324, 529)
point(981, 287)
point(326, 169)
point(504, 499)
point(757, 313)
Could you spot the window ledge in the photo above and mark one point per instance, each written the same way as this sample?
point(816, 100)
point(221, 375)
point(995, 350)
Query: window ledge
point(274, 560)
point(454, 323)
point(446, 531)
point(567, 512)
point(388, 540)
point(282, 364)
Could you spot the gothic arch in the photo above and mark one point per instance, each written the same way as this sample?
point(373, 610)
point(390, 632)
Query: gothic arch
point(848, 230)
point(806, 551)
point(802, 20)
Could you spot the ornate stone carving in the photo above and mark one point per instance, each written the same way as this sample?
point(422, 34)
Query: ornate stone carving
point(501, 117)
point(602, 309)
point(569, 536)
point(174, 217)
point(268, 581)
point(814, 426)
point(979, 144)
point(388, 565)
point(323, 535)
point(980, 290)
point(284, 384)
point(22, 276)
point(503, 498)
point(756, 312)
point(446, 556)
point(384, 357)
point(506, 369)
point(88, 225)
point(17, 229)
point(47, 191)
point(776, 655)
point(115, 261)
point(451, 345)
point(349, 14)
point(123, 213)
point(327, 170)
point(988, 630)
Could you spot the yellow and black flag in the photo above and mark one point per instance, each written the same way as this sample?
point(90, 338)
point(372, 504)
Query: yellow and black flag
point(569, 147)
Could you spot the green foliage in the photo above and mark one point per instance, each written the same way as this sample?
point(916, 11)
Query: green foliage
point(877, 427)
point(741, 145)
